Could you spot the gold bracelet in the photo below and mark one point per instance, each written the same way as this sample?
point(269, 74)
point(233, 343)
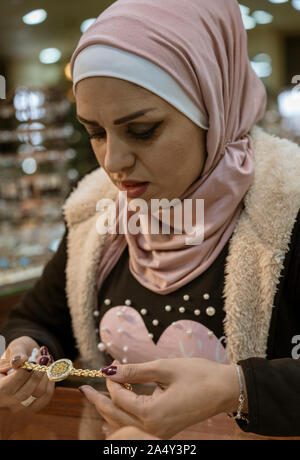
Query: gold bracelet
point(62, 369)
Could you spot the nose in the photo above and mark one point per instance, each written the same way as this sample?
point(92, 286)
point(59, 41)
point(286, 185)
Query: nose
point(117, 155)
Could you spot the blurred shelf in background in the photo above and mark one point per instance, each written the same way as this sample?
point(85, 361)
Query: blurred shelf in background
point(43, 153)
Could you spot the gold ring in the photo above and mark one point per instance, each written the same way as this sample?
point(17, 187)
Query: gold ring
point(27, 402)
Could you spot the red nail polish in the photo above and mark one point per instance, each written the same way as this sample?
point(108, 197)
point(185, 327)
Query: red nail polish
point(109, 370)
point(44, 351)
point(44, 360)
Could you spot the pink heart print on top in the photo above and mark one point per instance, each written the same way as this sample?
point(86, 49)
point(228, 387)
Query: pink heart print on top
point(126, 338)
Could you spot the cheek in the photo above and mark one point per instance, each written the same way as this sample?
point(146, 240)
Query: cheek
point(166, 158)
point(99, 152)
point(172, 163)
point(181, 162)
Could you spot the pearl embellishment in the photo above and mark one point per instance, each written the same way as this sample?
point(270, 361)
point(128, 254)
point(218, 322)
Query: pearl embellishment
point(107, 301)
point(124, 361)
point(150, 335)
point(128, 302)
point(189, 332)
point(144, 311)
point(125, 348)
point(210, 311)
point(182, 309)
point(168, 308)
point(186, 297)
point(109, 344)
point(101, 346)
point(155, 322)
point(120, 314)
point(206, 296)
point(197, 312)
point(210, 334)
point(120, 331)
point(96, 313)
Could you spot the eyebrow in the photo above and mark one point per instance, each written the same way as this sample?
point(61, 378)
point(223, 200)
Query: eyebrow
point(120, 121)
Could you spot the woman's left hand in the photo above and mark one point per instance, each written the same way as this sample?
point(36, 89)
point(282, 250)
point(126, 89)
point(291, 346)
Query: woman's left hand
point(188, 391)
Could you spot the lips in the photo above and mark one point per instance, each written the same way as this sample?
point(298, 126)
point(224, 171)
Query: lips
point(132, 183)
point(134, 189)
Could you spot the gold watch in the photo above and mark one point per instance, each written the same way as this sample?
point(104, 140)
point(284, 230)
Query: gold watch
point(63, 368)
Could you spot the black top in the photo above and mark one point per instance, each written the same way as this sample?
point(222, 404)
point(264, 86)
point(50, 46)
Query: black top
point(272, 384)
point(210, 282)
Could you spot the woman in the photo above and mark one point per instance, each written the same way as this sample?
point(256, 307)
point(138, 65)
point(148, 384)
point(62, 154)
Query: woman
point(170, 100)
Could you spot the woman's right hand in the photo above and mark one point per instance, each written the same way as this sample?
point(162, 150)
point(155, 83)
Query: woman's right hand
point(19, 385)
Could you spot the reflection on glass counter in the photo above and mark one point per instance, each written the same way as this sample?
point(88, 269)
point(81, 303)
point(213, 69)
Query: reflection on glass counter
point(26, 250)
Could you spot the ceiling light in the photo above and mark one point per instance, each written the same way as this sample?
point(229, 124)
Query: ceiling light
point(262, 69)
point(86, 24)
point(262, 65)
point(249, 22)
point(262, 17)
point(262, 57)
point(296, 4)
point(50, 55)
point(35, 17)
point(289, 103)
point(278, 1)
point(244, 9)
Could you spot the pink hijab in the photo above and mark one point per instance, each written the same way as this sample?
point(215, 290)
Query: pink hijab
point(203, 45)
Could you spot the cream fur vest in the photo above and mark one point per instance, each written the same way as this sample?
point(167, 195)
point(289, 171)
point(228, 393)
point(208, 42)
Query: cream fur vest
point(253, 265)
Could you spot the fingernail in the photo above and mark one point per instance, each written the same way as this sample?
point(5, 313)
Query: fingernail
point(109, 370)
point(10, 371)
point(15, 359)
point(81, 391)
point(44, 360)
point(51, 359)
point(44, 351)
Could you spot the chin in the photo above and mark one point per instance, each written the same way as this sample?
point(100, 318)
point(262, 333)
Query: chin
point(144, 197)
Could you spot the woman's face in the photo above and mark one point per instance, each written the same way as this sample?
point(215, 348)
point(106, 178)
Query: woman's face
point(170, 159)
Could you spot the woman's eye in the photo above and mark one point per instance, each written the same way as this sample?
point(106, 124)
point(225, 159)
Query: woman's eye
point(96, 136)
point(142, 135)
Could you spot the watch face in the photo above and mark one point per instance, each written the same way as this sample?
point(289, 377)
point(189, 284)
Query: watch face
point(59, 370)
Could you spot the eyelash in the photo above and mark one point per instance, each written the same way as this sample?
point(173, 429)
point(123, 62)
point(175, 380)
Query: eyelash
point(141, 136)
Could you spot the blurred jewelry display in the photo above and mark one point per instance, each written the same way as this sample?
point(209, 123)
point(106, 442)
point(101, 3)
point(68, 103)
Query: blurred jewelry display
point(41, 146)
